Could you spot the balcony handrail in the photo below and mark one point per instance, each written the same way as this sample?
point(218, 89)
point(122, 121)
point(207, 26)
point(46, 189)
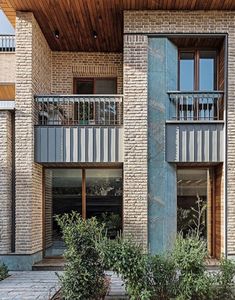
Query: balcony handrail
point(77, 95)
point(7, 43)
point(194, 92)
point(79, 109)
point(196, 105)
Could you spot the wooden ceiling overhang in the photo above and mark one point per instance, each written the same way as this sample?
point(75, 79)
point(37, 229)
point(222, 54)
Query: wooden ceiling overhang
point(95, 25)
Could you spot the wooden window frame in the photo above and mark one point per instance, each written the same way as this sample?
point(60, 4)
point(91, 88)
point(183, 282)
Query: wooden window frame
point(196, 53)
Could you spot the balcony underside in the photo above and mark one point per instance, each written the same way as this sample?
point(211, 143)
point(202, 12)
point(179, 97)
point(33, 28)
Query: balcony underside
point(78, 144)
point(198, 142)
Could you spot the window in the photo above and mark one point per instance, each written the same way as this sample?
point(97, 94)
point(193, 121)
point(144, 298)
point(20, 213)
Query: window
point(197, 70)
point(89, 112)
point(88, 86)
point(90, 192)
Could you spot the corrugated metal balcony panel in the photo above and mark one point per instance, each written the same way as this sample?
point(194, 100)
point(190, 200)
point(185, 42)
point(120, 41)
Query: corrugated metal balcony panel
point(195, 142)
point(58, 144)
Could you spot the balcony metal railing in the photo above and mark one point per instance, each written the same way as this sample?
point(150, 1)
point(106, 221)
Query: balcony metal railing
point(196, 106)
point(7, 43)
point(101, 110)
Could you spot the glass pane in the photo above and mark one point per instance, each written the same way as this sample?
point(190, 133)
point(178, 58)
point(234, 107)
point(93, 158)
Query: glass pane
point(207, 70)
point(191, 200)
point(186, 71)
point(84, 87)
point(105, 86)
point(104, 197)
point(63, 193)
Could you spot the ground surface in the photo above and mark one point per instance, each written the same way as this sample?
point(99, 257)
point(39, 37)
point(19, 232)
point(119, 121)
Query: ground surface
point(29, 285)
point(42, 285)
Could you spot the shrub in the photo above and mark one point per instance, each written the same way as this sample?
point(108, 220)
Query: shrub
point(225, 284)
point(3, 272)
point(194, 282)
point(162, 277)
point(146, 277)
point(83, 277)
point(127, 259)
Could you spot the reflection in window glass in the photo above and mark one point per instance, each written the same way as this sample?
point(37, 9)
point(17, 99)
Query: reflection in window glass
point(63, 194)
point(191, 198)
point(104, 197)
point(207, 70)
point(186, 71)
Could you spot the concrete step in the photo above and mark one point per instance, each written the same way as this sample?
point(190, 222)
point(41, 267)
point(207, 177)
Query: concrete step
point(49, 264)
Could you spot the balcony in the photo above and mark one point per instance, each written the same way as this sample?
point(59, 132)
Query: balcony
point(7, 43)
point(78, 128)
point(7, 70)
point(195, 129)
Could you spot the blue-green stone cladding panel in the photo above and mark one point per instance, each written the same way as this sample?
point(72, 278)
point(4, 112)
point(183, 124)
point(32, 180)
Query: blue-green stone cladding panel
point(162, 193)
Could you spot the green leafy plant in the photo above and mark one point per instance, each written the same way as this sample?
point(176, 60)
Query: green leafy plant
point(112, 223)
point(194, 282)
point(146, 277)
point(84, 276)
point(162, 277)
point(3, 271)
point(224, 288)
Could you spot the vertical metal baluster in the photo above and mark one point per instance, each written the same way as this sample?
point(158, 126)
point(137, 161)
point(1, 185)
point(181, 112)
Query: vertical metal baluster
point(187, 117)
point(83, 110)
point(42, 111)
point(182, 106)
point(217, 107)
point(109, 103)
point(175, 101)
point(88, 110)
point(99, 108)
point(78, 110)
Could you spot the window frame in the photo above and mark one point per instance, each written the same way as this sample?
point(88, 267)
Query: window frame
point(196, 54)
point(93, 80)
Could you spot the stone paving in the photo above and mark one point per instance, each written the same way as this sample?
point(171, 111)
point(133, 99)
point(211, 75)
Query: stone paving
point(117, 289)
point(42, 285)
point(29, 285)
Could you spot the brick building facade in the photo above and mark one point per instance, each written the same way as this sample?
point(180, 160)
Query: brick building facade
point(141, 77)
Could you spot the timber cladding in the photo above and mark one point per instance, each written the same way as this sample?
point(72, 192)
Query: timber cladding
point(137, 26)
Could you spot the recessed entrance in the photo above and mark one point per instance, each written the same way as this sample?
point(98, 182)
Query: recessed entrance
point(90, 192)
point(199, 203)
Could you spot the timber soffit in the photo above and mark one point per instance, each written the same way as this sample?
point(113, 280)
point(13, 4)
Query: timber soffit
point(95, 25)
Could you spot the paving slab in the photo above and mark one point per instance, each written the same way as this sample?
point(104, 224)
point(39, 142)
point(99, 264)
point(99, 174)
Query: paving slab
point(29, 285)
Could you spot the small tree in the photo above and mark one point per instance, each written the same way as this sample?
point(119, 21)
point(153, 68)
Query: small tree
point(83, 277)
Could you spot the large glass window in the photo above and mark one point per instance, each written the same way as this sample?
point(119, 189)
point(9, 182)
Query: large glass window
point(197, 70)
point(90, 192)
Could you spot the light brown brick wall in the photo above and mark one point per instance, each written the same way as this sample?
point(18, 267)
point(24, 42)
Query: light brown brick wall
point(5, 181)
point(7, 67)
point(134, 61)
point(67, 65)
point(33, 75)
point(135, 138)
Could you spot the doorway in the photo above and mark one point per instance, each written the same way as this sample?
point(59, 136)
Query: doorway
point(199, 202)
